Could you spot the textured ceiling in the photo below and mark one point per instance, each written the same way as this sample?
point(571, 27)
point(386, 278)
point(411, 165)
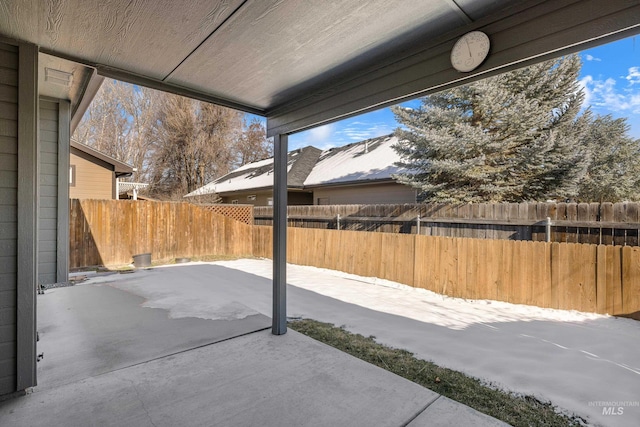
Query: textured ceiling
point(257, 53)
point(303, 63)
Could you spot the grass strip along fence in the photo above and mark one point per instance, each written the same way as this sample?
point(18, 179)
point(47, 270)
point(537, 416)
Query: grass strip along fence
point(517, 410)
point(569, 276)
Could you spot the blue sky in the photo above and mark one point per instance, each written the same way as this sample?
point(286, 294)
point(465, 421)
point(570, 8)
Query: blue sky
point(610, 77)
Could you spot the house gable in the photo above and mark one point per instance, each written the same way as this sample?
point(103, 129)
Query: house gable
point(361, 173)
point(92, 174)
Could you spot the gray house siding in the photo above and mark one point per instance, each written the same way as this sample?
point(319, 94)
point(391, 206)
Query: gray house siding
point(53, 221)
point(18, 214)
point(47, 223)
point(8, 214)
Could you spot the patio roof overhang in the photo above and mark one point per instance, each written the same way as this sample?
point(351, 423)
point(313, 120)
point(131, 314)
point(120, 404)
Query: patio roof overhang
point(302, 64)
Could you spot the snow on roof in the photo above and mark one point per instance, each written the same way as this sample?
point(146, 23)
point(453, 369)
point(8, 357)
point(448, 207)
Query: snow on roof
point(260, 174)
point(252, 175)
point(373, 159)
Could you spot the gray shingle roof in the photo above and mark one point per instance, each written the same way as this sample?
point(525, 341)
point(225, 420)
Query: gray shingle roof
point(370, 160)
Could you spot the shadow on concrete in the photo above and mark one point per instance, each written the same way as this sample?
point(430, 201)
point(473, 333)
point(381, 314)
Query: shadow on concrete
point(88, 330)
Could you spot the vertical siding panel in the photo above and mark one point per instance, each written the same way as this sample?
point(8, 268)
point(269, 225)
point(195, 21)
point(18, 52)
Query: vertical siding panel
point(48, 185)
point(92, 181)
point(8, 217)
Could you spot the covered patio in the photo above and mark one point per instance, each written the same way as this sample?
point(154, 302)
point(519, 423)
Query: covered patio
point(110, 359)
point(300, 65)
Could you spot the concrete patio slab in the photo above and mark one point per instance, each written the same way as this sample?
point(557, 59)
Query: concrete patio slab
point(445, 412)
point(87, 330)
point(124, 351)
point(254, 380)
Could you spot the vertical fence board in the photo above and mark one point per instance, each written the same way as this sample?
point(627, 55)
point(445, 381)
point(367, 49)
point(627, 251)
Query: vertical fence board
point(601, 279)
point(587, 257)
point(631, 282)
point(478, 275)
point(505, 270)
point(397, 258)
point(426, 263)
point(619, 215)
point(614, 280)
point(555, 274)
point(527, 272)
point(543, 258)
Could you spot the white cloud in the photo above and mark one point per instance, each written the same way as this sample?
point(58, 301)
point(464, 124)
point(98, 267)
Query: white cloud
point(342, 133)
point(605, 95)
point(634, 75)
point(358, 131)
point(320, 134)
point(320, 137)
point(591, 58)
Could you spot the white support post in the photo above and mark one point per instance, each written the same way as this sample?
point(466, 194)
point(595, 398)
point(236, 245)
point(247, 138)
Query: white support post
point(279, 326)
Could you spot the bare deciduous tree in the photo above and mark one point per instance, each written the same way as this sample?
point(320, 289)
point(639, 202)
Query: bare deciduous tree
point(176, 144)
point(119, 123)
point(253, 145)
point(194, 143)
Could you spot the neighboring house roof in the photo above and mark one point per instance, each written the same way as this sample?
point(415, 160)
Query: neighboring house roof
point(259, 175)
point(121, 169)
point(372, 160)
point(364, 161)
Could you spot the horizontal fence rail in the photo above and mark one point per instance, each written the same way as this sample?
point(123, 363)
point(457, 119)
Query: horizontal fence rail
point(595, 223)
point(568, 276)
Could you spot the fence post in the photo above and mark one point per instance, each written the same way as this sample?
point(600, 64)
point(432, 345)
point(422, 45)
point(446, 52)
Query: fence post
point(548, 230)
point(418, 224)
point(338, 222)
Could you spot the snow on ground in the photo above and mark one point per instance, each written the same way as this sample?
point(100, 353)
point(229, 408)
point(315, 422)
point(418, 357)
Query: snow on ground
point(584, 363)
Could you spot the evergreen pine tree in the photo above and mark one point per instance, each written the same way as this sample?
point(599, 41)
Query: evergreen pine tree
point(614, 171)
point(510, 138)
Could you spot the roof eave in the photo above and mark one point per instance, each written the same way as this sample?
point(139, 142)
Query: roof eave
point(353, 183)
point(118, 166)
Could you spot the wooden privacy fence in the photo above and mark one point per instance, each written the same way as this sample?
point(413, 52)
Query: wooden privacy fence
point(242, 213)
point(592, 278)
point(596, 223)
point(108, 232)
point(570, 276)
